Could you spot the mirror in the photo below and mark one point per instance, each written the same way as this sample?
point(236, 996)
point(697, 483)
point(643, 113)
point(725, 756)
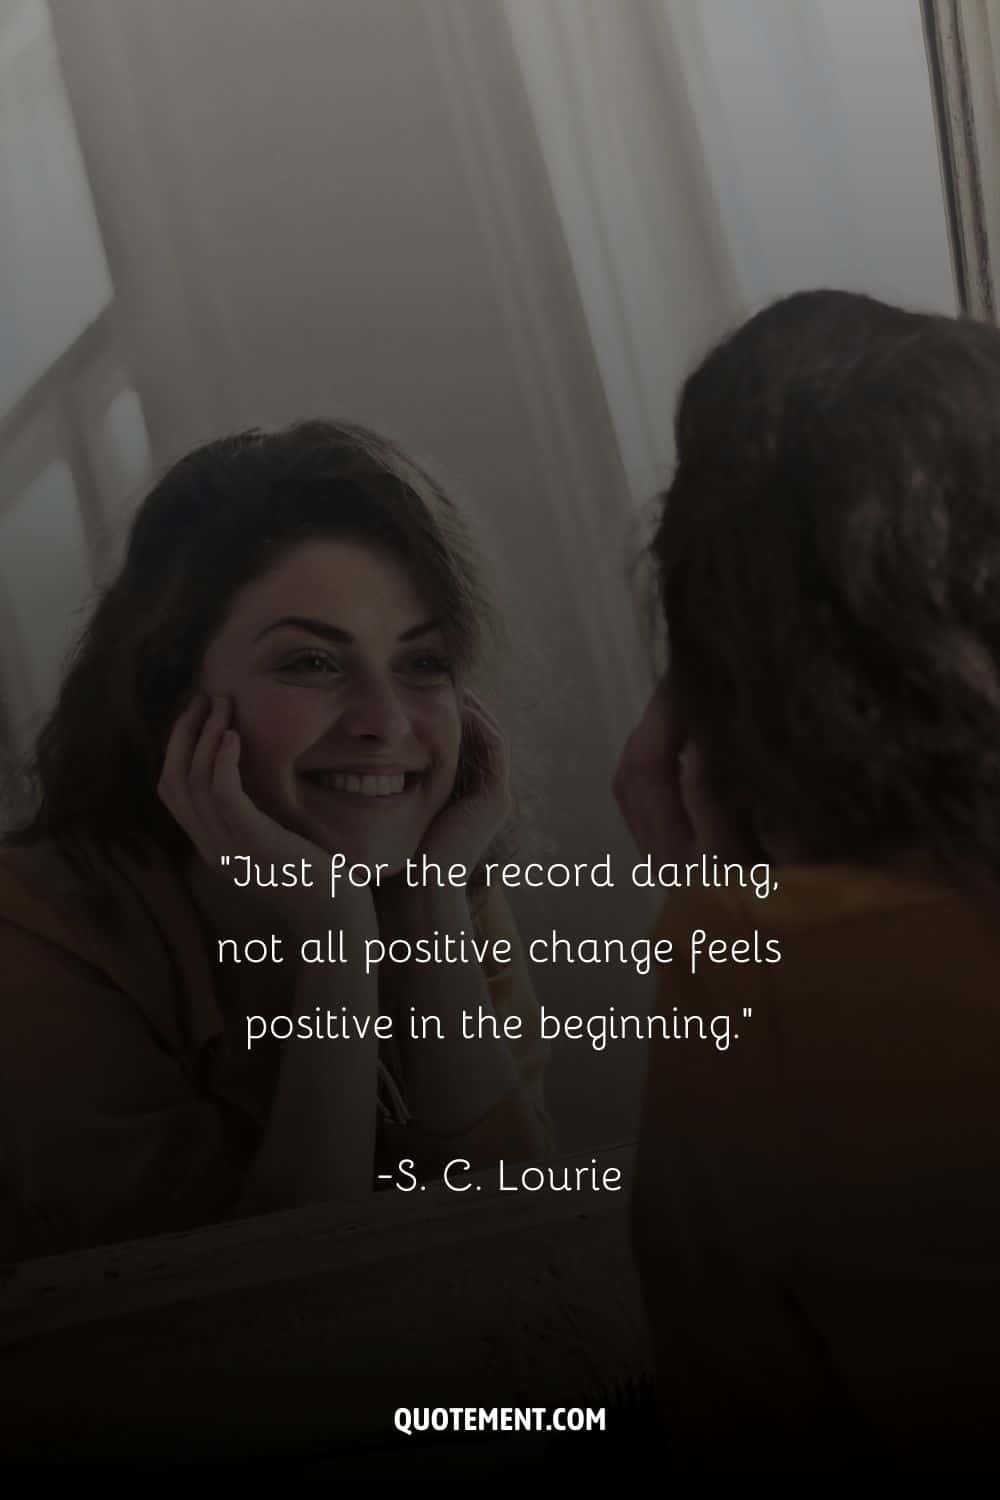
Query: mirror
point(499, 234)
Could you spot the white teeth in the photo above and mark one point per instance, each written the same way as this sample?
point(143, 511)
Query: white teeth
point(367, 785)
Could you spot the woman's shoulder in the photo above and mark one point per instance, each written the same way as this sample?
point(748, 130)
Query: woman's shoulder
point(815, 899)
point(45, 894)
point(837, 964)
point(61, 892)
point(110, 918)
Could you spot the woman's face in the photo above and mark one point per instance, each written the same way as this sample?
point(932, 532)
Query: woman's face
point(344, 698)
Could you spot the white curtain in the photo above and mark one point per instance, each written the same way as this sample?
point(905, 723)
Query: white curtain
point(707, 156)
point(54, 278)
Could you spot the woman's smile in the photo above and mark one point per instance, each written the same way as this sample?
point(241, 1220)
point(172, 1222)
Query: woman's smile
point(369, 788)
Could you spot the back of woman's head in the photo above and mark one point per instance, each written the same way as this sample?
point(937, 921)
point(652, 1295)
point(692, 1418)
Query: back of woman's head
point(220, 518)
point(829, 562)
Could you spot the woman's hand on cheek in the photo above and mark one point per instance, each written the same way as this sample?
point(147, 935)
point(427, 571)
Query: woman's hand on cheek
point(648, 783)
point(663, 793)
point(465, 827)
point(200, 785)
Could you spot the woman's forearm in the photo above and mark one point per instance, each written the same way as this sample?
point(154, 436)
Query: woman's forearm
point(319, 1144)
point(453, 1080)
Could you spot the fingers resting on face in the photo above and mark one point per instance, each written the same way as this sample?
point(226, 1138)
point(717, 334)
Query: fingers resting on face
point(200, 775)
point(647, 784)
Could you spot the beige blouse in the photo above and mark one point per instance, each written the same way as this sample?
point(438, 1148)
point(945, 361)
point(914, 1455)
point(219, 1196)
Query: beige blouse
point(127, 1107)
point(817, 1209)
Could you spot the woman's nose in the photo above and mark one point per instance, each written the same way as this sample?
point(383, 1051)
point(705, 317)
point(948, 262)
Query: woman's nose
point(373, 710)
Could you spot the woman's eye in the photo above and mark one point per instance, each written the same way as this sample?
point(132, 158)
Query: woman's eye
point(429, 665)
point(310, 664)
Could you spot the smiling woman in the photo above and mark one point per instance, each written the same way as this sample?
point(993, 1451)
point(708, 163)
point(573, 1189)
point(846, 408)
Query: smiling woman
point(279, 673)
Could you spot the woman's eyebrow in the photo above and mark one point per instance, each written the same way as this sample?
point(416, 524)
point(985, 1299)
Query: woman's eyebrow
point(335, 633)
point(418, 630)
point(314, 627)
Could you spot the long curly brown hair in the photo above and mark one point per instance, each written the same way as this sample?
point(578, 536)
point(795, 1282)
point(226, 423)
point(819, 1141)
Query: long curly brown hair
point(218, 519)
point(829, 566)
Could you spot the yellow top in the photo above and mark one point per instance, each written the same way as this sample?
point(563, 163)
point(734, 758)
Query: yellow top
point(816, 1212)
point(127, 1107)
